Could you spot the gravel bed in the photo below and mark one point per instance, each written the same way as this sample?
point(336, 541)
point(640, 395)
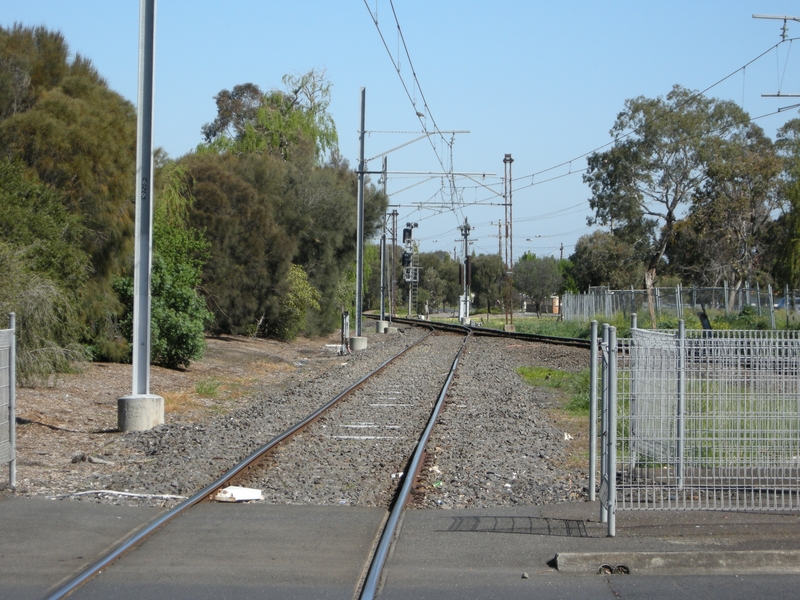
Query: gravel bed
point(494, 443)
point(357, 452)
point(178, 459)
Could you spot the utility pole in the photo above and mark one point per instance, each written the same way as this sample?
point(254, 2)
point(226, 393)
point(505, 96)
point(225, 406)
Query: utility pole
point(507, 160)
point(561, 256)
point(466, 279)
point(393, 278)
point(359, 342)
point(143, 410)
point(383, 251)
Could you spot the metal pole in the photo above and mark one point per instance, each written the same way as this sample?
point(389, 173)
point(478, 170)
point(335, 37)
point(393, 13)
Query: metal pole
point(509, 258)
point(771, 300)
point(593, 411)
point(360, 219)
point(393, 273)
point(144, 201)
point(12, 400)
point(383, 252)
point(786, 303)
point(681, 402)
point(383, 269)
point(612, 432)
point(604, 475)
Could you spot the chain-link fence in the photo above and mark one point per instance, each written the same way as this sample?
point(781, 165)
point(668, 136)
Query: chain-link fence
point(674, 301)
point(700, 420)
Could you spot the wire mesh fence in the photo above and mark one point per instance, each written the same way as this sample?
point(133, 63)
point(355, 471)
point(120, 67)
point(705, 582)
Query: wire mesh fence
point(675, 301)
point(701, 420)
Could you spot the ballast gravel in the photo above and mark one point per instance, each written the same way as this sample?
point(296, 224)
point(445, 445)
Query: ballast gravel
point(494, 443)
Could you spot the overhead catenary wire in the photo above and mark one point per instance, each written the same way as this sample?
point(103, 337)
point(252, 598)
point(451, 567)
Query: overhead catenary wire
point(665, 113)
point(427, 114)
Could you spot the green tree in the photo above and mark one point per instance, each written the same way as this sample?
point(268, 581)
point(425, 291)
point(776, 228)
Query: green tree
point(42, 270)
point(787, 261)
point(34, 221)
point(178, 313)
point(249, 254)
point(657, 164)
point(59, 118)
point(295, 304)
point(727, 231)
point(601, 258)
point(488, 275)
point(538, 278)
point(249, 120)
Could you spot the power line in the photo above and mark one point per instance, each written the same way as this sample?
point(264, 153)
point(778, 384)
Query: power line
point(426, 107)
point(670, 110)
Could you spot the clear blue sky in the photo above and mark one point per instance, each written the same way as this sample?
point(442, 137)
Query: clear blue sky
point(543, 81)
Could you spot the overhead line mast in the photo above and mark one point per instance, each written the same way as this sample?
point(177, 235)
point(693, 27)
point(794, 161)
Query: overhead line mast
point(784, 34)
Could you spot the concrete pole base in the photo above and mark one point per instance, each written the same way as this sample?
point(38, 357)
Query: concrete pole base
point(140, 412)
point(358, 343)
point(380, 326)
point(391, 330)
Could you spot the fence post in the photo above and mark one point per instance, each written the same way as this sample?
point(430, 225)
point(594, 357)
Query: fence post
point(604, 428)
point(678, 303)
point(725, 299)
point(593, 411)
point(681, 401)
point(612, 432)
point(758, 297)
point(771, 307)
point(658, 306)
point(786, 303)
point(634, 321)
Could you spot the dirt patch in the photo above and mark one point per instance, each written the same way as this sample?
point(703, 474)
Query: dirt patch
point(77, 414)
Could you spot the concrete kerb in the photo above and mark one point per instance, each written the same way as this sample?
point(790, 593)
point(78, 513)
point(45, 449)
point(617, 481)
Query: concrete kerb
point(744, 562)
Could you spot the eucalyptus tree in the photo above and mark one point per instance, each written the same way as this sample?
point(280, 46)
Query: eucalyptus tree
point(727, 232)
point(657, 164)
point(538, 278)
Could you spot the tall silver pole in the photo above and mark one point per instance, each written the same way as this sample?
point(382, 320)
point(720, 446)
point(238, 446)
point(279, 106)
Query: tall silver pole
point(12, 401)
point(140, 410)
point(360, 225)
point(144, 201)
point(383, 251)
point(593, 412)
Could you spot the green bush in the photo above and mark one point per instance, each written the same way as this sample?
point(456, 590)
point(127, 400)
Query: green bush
point(177, 320)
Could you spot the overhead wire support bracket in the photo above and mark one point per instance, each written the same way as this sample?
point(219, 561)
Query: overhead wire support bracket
point(427, 134)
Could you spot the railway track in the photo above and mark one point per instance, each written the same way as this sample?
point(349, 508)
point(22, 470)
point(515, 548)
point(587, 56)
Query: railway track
point(381, 427)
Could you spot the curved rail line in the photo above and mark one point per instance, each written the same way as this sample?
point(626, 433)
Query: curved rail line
point(78, 580)
point(485, 331)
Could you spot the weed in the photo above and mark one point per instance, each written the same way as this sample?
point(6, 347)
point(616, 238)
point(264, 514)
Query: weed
point(207, 388)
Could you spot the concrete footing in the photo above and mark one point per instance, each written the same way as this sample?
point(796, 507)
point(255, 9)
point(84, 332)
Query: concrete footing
point(380, 326)
point(391, 330)
point(358, 343)
point(140, 412)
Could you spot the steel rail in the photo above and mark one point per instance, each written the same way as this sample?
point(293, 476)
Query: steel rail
point(88, 573)
point(485, 331)
point(379, 558)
